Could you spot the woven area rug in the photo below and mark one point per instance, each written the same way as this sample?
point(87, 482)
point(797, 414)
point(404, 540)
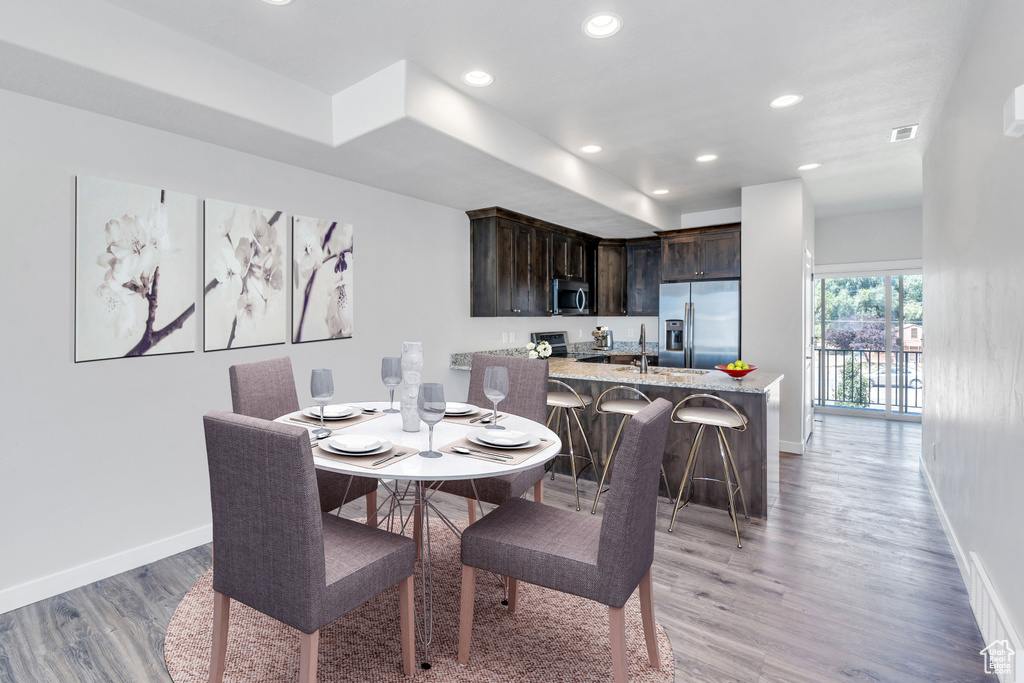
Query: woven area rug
point(551, 637)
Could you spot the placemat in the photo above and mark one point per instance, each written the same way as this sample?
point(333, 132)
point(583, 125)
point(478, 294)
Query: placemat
point(333, 425)
point(519, 455)
point(366, 461)
point(474, 419)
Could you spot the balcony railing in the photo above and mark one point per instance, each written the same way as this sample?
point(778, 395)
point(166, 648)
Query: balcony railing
point(856, 378)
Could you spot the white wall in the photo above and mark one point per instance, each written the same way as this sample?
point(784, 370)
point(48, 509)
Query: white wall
point(868, 237)
point(102, 465)
point(778, 222)
point(973, 431)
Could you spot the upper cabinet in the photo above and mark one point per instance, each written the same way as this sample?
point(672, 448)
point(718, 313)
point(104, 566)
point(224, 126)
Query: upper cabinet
point(611, 278)
point(701, 254)
point(514, 258)
point(643, 277)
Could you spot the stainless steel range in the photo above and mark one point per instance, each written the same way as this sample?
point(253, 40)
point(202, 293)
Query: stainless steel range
point(560, 347)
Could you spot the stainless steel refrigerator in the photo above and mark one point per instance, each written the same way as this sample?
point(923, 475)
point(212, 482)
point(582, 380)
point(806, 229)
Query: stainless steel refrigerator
point(699, 323)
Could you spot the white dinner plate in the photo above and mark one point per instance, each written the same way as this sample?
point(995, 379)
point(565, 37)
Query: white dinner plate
point(385, 446)
point(354, 443)
point(474, 436)
point(460, 409)
point(331, 412)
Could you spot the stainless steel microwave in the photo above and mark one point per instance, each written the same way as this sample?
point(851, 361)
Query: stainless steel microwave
point(570, 297)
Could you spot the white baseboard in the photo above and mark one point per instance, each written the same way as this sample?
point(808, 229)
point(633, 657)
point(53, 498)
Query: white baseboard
point(962, 561)
point(794, 447)
point(84, 574)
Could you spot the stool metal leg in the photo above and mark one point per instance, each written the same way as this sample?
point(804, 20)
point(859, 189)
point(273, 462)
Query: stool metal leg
point(586, 442)
point(608, 464)
point(555, 412)
point(572, 459)
point(739, 486)
point(664, 478)
point(728, 485)
point(686, 474)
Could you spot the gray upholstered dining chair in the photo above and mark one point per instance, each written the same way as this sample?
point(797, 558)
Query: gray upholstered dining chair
point(266, 389)
point(527, 397)
point(599, 559)
point(277, 552)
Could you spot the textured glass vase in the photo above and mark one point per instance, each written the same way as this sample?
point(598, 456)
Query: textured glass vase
point(412, 371)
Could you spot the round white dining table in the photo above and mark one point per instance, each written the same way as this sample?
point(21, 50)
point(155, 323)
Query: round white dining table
point(424, 476)
point(417, 468)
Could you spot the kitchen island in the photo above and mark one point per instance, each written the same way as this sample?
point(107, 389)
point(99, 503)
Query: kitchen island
point(755, 450)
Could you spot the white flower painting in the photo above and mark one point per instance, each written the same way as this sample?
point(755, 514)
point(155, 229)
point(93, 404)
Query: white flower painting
point(244, 296)
point(135, 270)
point(321, 279)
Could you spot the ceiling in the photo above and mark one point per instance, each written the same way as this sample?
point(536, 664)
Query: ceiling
point(315, 84)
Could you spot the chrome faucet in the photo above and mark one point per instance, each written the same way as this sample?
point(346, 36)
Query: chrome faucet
point(643, 349)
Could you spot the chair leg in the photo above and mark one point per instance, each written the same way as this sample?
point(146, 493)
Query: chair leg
point(472, 509)
point(513, 593)
point(466, 613)
point(371, 508)
point(608, 464)
point(218, 653)
point(728, 487)
point(686, 473)
point(407, 616)
point(308, 645)
point(737, 473)
point(538, 491)
point(647, 614)
point(617, 636)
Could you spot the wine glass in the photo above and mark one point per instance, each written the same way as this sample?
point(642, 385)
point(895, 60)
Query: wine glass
point(321, 386)
point(391, 373)
point(430, 403)
point(495, 389)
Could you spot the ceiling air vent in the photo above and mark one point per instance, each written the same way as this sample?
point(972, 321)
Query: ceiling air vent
point(903, 133)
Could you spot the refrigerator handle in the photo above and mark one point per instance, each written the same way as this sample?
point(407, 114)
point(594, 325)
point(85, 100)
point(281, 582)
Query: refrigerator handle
point(686, 335)
point(689, 330)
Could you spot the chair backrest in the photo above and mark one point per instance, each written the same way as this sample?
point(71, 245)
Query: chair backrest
point(268, 539)
point(527, 385)
point(627, 531)
point(264, 389)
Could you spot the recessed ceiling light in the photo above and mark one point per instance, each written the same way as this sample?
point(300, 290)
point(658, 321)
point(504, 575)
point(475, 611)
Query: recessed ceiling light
point(590, 149)
point(784, 101)
point(808, 167)
point(278, 2)
point(477, 78)
point(660, 192)
point(602, 25)
point(704, 158)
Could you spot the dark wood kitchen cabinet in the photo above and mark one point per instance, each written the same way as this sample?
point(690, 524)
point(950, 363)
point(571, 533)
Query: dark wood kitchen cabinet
point(611, 278)
point(513, 259)
point(701, 254)
point(643, 277)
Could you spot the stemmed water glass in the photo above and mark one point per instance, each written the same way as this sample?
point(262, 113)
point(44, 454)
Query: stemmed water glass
point(391, 373)
point(495, 389)
point(321, 386)
point(430, 403)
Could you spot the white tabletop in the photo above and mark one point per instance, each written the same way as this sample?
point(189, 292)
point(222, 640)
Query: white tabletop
point(448, 466)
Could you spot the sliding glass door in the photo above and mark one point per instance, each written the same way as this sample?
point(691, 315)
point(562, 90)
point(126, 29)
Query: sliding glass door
point(869, 344)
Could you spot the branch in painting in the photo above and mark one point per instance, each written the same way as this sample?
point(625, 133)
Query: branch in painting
point(151, 337)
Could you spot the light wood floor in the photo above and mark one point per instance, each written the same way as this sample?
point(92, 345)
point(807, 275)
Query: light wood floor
point(851, 578)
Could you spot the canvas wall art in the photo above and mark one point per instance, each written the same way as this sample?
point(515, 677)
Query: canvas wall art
point(245, 302)
point(135, 270)
point(321, 279)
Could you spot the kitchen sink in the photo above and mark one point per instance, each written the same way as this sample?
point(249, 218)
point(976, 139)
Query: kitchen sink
point(634, 370)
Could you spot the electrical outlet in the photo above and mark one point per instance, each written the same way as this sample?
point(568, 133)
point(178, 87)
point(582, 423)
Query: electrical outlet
point(935, 447)
point(504, 337)
point(630, 335)
point(579, 334)
point(511, 337)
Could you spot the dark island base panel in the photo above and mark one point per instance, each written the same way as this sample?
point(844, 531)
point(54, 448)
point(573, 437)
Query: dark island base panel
point(758, 464)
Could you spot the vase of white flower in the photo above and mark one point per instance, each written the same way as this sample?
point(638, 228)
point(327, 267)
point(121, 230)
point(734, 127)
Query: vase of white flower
point(412, 369)
point(539, 350)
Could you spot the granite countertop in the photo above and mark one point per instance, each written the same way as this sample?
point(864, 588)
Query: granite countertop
point(757, 382)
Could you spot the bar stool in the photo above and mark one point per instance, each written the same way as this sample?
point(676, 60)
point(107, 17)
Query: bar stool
point(720, 419)
point(627, 407)
point(568, 403)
